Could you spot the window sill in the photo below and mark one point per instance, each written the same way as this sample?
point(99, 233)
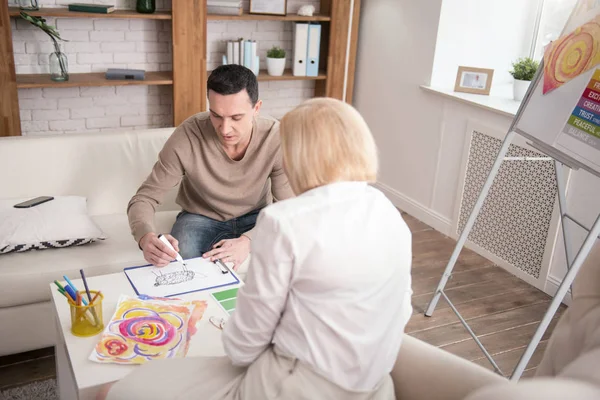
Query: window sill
point(500, 100)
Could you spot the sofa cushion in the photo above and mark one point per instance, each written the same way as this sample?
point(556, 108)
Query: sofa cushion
point(61, 222)
point(24, 277)
point(105, 167)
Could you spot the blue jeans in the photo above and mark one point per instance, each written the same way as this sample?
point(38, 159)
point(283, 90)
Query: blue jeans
point(197, 234)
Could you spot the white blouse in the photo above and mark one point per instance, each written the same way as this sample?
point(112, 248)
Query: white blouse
point(328, 283)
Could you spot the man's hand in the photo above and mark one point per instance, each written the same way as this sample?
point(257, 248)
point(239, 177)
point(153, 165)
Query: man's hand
point(230, 250)
point(156, 252)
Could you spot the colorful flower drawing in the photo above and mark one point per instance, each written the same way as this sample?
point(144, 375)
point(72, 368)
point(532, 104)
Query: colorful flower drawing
point(146, 328)
point(572, 55)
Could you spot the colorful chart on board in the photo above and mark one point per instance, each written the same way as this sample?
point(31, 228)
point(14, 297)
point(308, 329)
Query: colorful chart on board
point(584, 122)
point(569, 56)
point(148, 328)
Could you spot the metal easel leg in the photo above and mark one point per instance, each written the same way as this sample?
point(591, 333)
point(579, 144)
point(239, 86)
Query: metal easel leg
point(470, 222)
point(562, 202)
point(473, 335)
point(560, 294)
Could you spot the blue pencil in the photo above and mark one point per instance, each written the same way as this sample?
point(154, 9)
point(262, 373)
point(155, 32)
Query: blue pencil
point(74, 289)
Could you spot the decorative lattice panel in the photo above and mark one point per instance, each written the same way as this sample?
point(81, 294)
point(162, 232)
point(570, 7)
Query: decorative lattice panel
point(515, 218)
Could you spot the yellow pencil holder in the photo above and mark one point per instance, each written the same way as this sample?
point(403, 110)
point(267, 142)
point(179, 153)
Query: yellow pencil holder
point(86, 320)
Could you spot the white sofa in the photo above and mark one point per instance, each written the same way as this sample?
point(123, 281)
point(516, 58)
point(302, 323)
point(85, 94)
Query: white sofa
point(106, 168)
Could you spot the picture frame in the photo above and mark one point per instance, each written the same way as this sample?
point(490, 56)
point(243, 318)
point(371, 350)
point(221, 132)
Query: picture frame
point(268, 7)
point(473, 80)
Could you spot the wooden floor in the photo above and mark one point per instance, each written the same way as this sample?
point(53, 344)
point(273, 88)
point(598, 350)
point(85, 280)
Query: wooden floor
point(501, 309)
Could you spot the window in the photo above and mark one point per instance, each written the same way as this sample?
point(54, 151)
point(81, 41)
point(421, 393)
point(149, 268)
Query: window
point(551, 19)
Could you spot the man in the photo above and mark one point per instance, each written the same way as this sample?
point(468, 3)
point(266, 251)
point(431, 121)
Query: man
point(228, 164)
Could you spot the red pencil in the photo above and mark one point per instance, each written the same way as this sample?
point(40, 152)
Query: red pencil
point(78, 299)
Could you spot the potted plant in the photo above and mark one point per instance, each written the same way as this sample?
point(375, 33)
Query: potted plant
point(58, 60)
point(275, 61)
point(523, 71)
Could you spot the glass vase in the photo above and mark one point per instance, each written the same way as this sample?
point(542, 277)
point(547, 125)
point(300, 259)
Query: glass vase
point(59, 67)
point(29, 5)
point(145, 6)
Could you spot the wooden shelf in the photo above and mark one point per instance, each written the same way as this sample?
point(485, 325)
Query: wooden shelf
point(287, 76)
point(90, 79)
point(340, 19)
point(64, 12)
point(259, 17)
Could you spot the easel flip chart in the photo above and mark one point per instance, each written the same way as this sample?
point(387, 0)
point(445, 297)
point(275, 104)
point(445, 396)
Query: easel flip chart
point(560, 116)
point(542, 117)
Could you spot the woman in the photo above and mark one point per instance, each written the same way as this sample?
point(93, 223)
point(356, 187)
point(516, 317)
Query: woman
point(327, 295)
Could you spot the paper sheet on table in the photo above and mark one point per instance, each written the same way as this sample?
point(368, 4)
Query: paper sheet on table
point(144, 329)
point(174, 279)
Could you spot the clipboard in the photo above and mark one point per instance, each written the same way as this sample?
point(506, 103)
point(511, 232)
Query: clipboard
point(176, 280)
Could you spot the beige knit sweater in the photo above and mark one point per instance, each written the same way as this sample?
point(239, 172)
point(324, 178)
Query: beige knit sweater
point(212, 184)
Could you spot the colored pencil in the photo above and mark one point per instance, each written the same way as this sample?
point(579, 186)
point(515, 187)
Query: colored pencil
point(69, 290)
point(95, 297)
point(59, 285)
point(64, 293)
point(89, 296)
point(91, 305)
point(87, 290)
point(74, 288)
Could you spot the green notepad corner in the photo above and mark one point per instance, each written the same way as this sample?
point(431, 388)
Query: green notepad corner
point(227, 299)
point(225, 294)
point(229, 305)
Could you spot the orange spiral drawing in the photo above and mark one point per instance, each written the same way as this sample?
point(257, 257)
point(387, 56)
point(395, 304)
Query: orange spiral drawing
point(572, 55)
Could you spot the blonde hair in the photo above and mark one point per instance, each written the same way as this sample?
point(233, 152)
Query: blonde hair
point(325, 140)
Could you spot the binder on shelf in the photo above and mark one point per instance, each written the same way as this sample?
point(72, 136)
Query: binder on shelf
point(241, 41)
point(236, 53)
point(229, 52)
point(300, 48)
point(255, 59)
point(248, 54)
point(314, 47)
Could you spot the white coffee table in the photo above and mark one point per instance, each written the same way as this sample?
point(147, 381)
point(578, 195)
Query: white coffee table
point(80, 378)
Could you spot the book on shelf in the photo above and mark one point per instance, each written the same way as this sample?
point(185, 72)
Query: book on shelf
point(92, 8)
point(224, 7)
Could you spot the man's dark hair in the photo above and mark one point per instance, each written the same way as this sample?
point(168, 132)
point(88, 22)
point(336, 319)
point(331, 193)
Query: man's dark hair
point(232, 79)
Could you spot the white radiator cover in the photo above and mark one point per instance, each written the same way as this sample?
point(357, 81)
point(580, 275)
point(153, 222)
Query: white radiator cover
point(517, 222)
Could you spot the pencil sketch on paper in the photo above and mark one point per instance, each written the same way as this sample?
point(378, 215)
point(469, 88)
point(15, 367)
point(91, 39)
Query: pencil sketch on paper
point(176, 277)
point(198, 274)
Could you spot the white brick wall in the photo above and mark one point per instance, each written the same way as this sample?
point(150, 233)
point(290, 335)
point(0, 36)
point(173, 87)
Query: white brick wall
point(97, 44)
point(90, 109)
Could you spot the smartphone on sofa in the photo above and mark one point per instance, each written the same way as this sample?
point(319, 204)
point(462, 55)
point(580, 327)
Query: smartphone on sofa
point(34, 202)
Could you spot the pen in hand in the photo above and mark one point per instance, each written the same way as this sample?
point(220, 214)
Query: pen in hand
point(178, 257)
